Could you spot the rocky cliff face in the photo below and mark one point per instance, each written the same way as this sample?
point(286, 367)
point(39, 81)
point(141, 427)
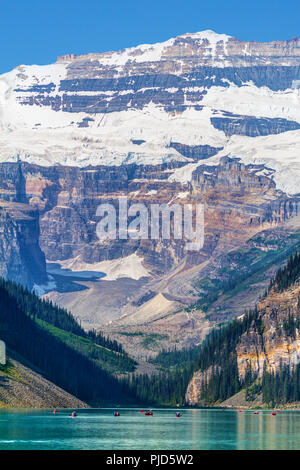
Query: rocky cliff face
point(190, 98)
point(200, 378)
point(21, 258)
point(68, 197)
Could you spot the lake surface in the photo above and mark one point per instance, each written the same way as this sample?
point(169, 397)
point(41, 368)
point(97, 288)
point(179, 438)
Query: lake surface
point(196, 429)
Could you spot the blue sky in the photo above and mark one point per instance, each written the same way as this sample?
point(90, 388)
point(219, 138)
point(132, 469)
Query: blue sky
point(36, 31)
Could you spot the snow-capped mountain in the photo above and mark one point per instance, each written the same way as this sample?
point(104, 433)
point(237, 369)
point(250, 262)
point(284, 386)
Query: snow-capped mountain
point(197, 96)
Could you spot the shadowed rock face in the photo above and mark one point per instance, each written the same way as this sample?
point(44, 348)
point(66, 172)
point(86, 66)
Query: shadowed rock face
point(196, 152)
point(21, 258)
point(12, 183)
point(253, 127)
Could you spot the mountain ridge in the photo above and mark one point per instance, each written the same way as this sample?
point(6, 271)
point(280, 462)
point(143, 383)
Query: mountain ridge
point(205, 35)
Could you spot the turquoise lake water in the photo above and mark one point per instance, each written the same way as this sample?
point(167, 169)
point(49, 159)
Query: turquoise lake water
point(196, 429)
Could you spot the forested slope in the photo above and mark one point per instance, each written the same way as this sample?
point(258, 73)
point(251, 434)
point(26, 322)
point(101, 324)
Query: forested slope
point(51, 339)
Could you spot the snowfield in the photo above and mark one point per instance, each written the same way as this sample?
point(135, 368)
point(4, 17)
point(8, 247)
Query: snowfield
point(130, 266)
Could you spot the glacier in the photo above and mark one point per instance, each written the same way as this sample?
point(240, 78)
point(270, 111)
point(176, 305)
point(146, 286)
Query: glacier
point(92, 110)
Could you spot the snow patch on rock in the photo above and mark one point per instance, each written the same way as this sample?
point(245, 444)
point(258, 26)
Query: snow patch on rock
point(130, 266)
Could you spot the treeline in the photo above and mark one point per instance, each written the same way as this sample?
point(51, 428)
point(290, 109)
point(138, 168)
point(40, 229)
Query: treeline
point(45, 310)
point(168, 358)
point(287, 276)
point(281, 387)
point(163, 388)
point(101, 340)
